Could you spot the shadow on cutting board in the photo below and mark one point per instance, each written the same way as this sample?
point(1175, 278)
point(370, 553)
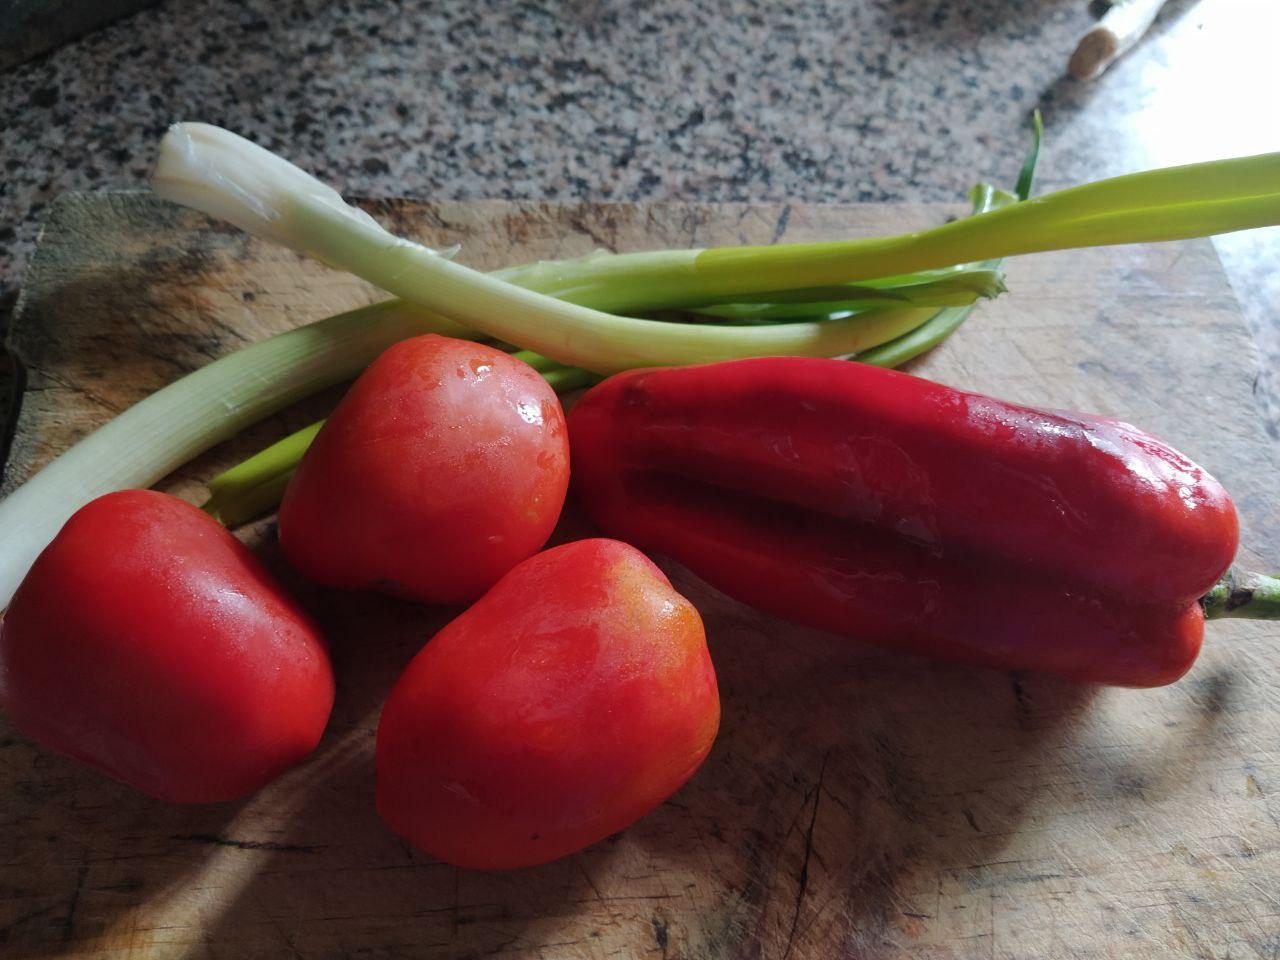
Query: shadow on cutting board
point(83, 850)
point(845, 781)
point(839, 771)
point(844, 776)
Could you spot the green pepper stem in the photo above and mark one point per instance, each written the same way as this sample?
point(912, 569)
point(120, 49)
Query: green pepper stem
point(1243, 595)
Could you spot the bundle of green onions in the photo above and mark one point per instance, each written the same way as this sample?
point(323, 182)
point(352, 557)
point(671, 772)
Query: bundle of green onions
point(879, 301)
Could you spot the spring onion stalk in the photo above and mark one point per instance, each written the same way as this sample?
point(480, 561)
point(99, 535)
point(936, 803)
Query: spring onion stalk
point(251, 488)
point(918, 341)
point(953, 290)
point(931, 333)
point(225, 175)
point(1175, 203)
point(1027, 175)
point(162, 432)
point(535, 360)
point(945, 322)
point(962, 283)
point(928, 287)
point(564, 379)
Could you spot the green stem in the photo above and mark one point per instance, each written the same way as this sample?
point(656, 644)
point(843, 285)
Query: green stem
point(564, 379)
point(939, 288)
point(1175, 203)
point(235, 507)
point(1171, 204)
point(920, 340)
point(563, 310)
point(256, 485)
point(1027, 175)
point(945, 322)
point(536, 360)
point(1244, 595)
point(574, 335)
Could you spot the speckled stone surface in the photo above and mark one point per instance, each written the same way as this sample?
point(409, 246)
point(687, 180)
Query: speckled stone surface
point(850, 100)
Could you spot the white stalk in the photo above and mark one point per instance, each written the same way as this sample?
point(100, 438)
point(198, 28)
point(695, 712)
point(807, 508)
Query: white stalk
point(225, 175)
point(233, 179)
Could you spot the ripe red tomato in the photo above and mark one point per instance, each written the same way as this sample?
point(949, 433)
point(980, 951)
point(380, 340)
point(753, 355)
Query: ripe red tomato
point(568, 702)
point(444, 466)
point(149, 643)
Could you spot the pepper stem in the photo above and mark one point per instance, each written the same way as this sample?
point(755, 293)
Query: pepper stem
point(1248, 596)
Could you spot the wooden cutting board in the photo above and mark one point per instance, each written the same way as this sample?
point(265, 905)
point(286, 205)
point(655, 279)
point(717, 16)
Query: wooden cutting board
point(857, 803)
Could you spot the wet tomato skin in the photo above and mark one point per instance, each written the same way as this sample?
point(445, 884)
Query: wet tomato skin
point(445, 465)
point(568, 702)
point(149, 643)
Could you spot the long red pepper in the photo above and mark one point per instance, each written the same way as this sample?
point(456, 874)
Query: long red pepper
point(912, 515)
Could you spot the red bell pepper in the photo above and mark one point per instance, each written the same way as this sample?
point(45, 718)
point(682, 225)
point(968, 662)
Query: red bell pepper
point(912, 515)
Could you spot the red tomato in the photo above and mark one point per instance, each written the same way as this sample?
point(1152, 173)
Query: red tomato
point(149, 643)
point(567, 703)
point(444, 466)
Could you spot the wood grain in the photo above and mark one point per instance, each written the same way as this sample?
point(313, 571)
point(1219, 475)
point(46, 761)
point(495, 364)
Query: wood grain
point(857, 803)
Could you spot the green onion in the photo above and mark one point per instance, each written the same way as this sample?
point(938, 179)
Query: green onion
point(225, 175)
point(1027, 175)
point(230, 178)
point(256, 485)
point(932, 332)
point(938, 288)
point(220, 173)
point(928, 335)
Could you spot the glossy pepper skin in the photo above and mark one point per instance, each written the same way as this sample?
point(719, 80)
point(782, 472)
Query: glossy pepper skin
point(568, 702)
point(147, 642)
point(444, 466)
point(912, 515)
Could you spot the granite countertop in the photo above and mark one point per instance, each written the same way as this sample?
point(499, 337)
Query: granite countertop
point(851, 100)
